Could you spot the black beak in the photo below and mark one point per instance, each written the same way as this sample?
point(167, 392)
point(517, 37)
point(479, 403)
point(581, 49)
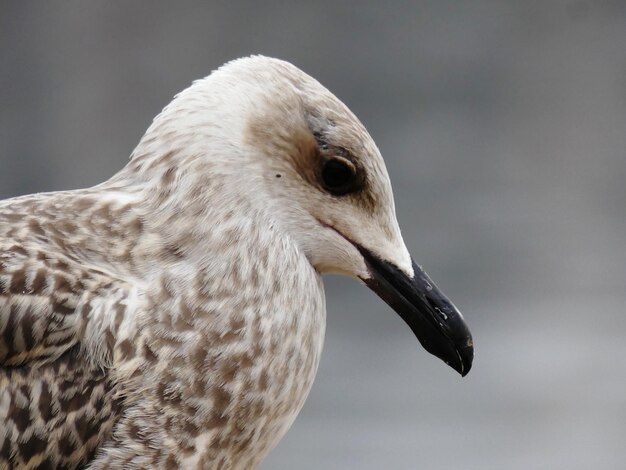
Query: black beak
point(436, 322)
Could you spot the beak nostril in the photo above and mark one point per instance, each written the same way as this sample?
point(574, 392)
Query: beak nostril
point(441, 314)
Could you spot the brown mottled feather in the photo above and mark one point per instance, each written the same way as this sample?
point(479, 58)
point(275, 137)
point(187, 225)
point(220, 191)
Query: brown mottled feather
point(56, 403)
point(174, 315)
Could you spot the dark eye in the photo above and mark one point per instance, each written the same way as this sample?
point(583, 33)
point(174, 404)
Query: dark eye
point(339, 176)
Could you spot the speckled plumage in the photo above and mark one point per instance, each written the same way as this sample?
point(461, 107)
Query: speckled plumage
point(174, 315)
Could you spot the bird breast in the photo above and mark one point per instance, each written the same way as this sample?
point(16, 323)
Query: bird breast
point(223, 357)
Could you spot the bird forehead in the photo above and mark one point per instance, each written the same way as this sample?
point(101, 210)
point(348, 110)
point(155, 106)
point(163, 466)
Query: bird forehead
point(293, 114)
point(297, 121)
point(288, 102)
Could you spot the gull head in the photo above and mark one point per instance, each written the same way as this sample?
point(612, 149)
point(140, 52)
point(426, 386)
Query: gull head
point(293, 145)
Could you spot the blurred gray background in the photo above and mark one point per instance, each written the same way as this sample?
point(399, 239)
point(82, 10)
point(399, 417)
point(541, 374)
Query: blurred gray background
point(503, 124)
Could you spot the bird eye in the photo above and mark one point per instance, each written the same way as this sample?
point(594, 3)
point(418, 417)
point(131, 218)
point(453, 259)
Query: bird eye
point(338, 176)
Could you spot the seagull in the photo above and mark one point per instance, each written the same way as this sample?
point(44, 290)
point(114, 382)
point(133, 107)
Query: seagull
point(174, 315)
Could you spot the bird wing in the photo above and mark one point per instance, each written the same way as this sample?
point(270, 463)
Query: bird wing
point(58, 403)
point(39, 300)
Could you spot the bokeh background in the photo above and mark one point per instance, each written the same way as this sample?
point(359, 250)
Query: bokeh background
point(503, 124)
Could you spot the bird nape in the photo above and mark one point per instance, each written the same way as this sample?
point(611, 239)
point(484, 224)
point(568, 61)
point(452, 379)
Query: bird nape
point(174, 315)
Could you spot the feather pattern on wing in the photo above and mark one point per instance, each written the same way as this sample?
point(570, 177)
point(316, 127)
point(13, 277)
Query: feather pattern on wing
point(57, 401)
